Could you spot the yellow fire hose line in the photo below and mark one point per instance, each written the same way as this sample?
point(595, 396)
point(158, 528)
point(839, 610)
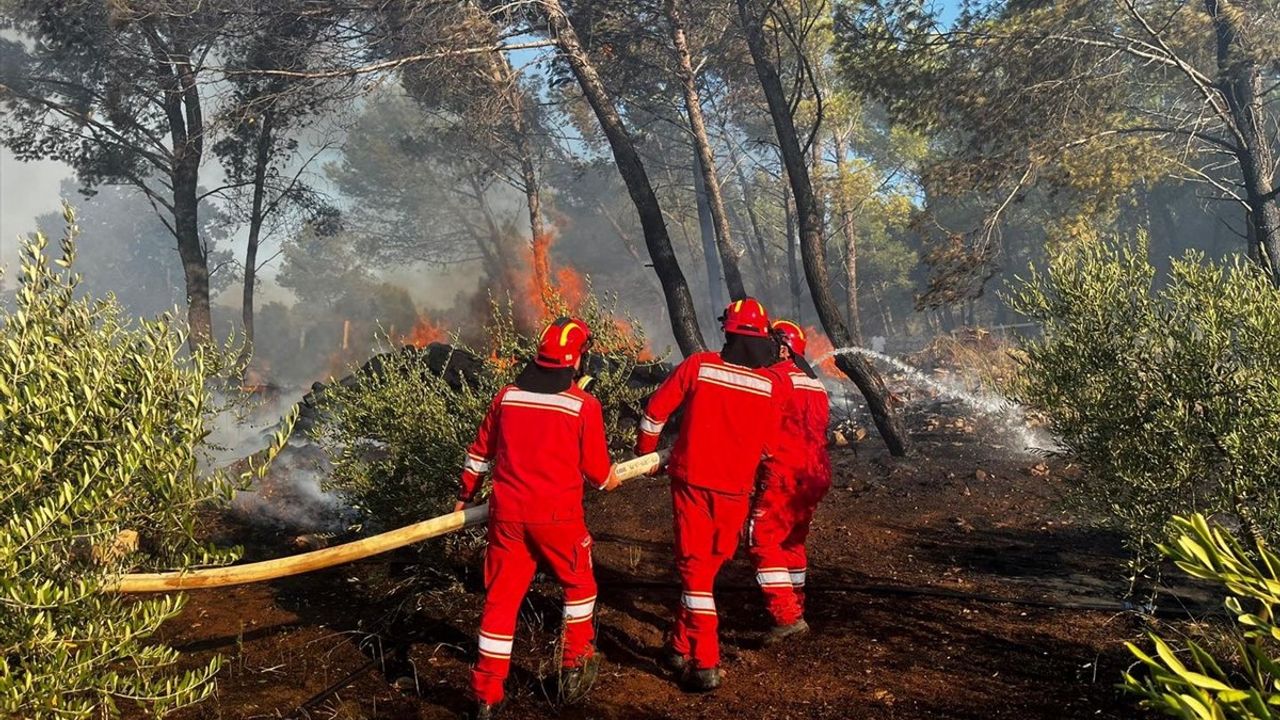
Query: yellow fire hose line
point(340, 554)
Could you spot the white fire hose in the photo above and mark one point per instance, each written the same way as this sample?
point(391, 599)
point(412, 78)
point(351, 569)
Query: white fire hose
point(340, 554)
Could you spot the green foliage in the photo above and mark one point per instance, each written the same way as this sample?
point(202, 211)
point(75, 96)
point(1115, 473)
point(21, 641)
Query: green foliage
point(1170, 397)
point(100, 428)
point(397, 438)
point(1196, 686)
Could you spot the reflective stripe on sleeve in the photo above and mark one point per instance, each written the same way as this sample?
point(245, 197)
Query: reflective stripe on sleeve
point(495, 646)
point(650, 426)
point(797, 577)
point(579, 610)
point(773, 577)
point(475, 464)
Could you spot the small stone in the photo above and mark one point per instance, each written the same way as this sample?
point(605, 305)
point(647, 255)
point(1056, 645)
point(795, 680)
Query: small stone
point(1038, 470)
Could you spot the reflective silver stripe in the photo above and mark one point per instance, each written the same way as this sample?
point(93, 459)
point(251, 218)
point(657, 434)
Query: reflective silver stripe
point(733, 379)
point(698, 602)
point(544, 401)
point(797, 578)
point(476, 465)
point(650, 426)
point(773, 577)
point(579, 610)
point(497, 647)
point(804, 382)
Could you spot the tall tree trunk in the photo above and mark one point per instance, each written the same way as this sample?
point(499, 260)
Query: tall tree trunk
point(793, 272)
point(812, 248)
point(850, 239)
point(186, 131)
point(715, 275)
point(504, 79)
point(680, 307)
point(1240, 82)
point(262, 156)
point(706, 159)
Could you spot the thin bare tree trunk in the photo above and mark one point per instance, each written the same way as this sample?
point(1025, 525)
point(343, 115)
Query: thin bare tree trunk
point(812, 247)
point(793, 272)
point(715, 273)
point(768, 277)
point(262, 156)
point(680, 307)
point(850, 240)
point(706, 159)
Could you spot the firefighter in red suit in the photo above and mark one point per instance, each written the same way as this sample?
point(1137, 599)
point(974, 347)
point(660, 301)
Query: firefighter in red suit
point(792, 481)
point(542, 435)
point(731, 412)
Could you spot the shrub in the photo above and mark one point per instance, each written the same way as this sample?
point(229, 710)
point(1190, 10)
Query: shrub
point(100, 425)
point(1169, 396)
point(397, 438)
point(1196, 686)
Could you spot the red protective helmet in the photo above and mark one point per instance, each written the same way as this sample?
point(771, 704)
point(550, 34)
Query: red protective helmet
point(746, 317)
point(563, 342)
point(791, 335)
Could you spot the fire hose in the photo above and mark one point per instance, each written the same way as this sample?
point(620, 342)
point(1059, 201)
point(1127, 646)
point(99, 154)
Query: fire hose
point(341, 554)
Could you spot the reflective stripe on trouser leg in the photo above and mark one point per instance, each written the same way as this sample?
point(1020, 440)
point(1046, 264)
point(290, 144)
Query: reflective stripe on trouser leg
point(708, 528)
point(509, 568)
point(565, 548)
point(771, 526)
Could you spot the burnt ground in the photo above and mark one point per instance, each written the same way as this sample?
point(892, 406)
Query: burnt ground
point(936, 591)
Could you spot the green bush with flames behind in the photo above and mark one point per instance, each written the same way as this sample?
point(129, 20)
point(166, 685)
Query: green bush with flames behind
point(1167, 393)
point(101, 423)
point(397, 438)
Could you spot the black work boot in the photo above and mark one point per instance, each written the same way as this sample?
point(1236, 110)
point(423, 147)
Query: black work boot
point(783, 632)
point(701, 681)
point(576, 682)
point(673, 660)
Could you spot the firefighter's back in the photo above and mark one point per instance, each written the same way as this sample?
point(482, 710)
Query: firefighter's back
point(537, 473)
point(730, 413)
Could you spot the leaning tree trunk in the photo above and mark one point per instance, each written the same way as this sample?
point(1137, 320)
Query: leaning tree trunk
point(680, 307)
point(1240, 81)
point(706, 159)
point(812, 247)
point(262, 156)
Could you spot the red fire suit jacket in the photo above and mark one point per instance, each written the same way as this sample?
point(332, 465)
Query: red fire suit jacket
point(800, 452)
point(731, 418)
point(539, 447)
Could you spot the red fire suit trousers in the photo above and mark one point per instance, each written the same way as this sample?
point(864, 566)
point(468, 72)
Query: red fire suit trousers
point(708, 525)
point(776, 534)
point(511, 560)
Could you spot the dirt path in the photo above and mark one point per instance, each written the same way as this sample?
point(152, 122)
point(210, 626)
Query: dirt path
point(949, 521)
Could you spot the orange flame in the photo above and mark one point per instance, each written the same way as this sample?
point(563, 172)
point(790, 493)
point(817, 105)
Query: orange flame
point(818, 345)
point(425, 331)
